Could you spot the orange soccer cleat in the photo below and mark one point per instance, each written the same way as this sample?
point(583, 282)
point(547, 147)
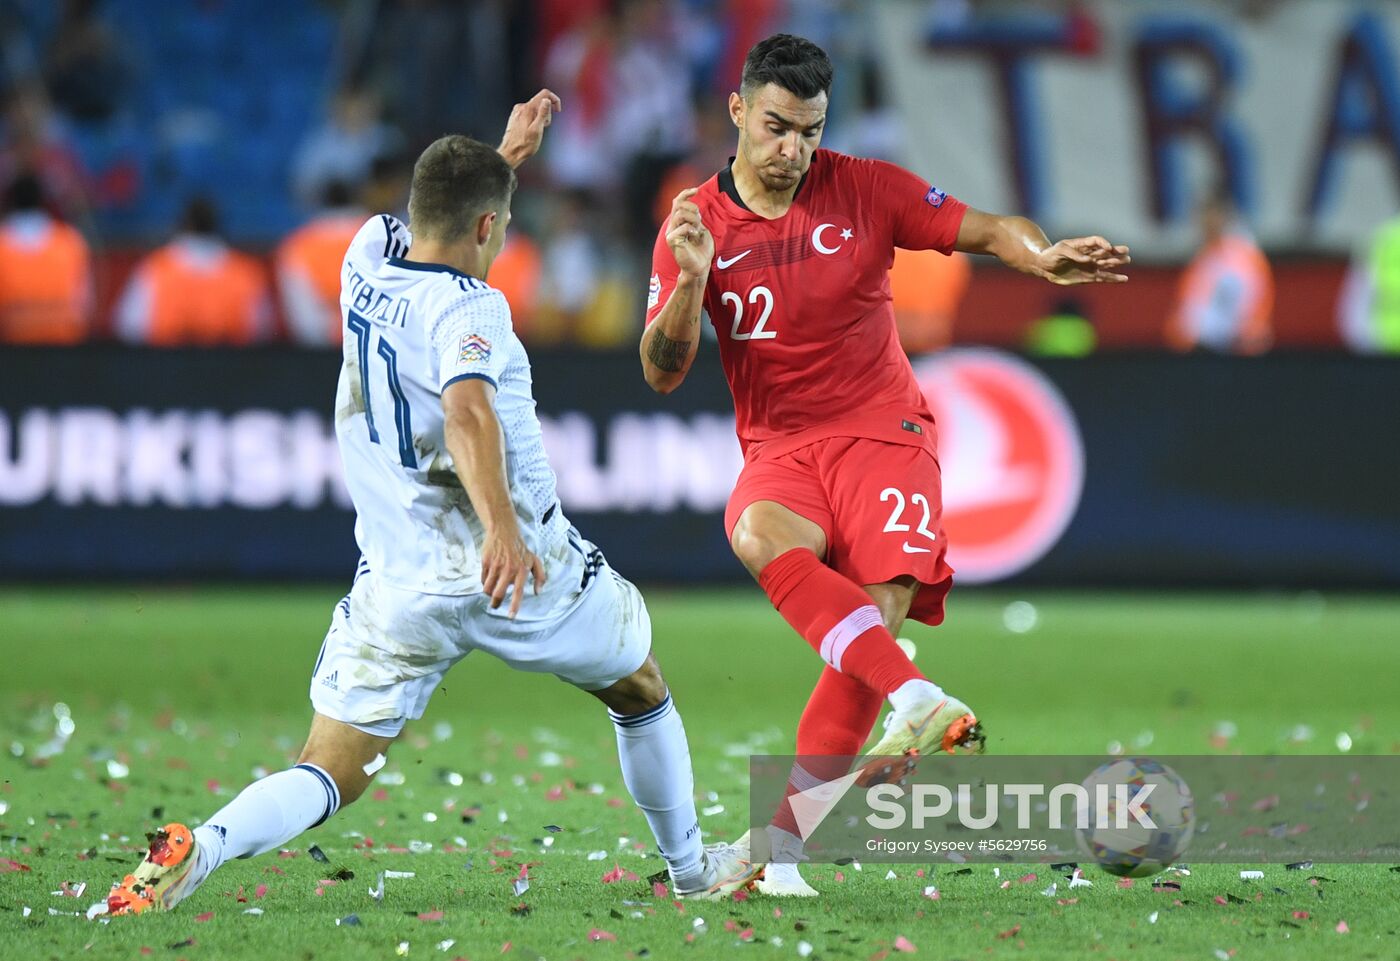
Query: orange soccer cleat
point(162, 879)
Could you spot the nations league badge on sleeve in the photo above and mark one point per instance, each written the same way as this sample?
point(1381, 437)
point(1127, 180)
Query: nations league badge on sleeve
point(654, 291)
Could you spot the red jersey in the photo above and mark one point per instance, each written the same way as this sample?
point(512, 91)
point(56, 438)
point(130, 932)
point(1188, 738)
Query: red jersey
point(801, 304)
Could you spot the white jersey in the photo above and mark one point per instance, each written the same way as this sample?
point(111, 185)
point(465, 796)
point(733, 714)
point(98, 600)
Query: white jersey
point(410, 330)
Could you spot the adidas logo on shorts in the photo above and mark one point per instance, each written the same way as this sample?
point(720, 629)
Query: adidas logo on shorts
point(331, 679)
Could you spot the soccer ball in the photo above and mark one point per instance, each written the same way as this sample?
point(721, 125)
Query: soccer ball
point(1124, 845)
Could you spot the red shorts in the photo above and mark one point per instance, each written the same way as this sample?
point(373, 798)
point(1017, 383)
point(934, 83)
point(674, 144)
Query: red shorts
point(879, 504)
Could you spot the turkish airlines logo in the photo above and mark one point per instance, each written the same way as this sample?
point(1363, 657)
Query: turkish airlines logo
point(1012, 460)
point(834, 237)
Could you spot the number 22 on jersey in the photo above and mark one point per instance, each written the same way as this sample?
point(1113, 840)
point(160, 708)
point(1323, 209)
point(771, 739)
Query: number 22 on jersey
point(403, 417)
point(760, 329)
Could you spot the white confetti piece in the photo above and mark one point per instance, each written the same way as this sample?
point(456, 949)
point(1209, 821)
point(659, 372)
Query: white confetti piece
point(377, 892)
point(447, 944)
point(597, 855)
point(550, 759)
point(97, 909)
point(520, 886)
point(1079, 881)
point(890, 875)
point(420, 847)
point(402, 949)
point(1152, 918)
point(399, 875)
point(1251, 875)
point(502, 817)
point(712, 809)
point(1050, 891)
point(374, 767)
point(252, 910)
point(28, 911)
point(804, 949)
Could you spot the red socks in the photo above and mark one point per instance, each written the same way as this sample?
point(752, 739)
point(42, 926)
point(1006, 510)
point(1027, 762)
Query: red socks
point(838, 619)
point(834, 726)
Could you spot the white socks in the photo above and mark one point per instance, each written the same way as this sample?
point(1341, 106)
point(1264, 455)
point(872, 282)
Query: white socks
point(913, 692)
point(266, 815)
point(656, 769)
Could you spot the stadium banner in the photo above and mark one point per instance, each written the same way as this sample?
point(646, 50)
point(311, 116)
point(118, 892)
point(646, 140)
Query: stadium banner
point(1294, 109)
point(1132, 816)
point(1123, 470)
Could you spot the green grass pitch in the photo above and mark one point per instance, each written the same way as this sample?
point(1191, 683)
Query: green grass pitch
point(178, 696)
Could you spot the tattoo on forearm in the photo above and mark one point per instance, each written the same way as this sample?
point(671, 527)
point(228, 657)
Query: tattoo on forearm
point(667, 354)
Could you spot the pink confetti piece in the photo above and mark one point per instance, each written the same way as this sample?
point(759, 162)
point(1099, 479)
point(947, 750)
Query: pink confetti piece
point(598, 934)
point(615, 802)
point(201, 918)
point(260, 891)
point(618, 873)
point(6, 865)
point(1220, 899)
point(555, 793)
point(919, 873)
point(840, 878)
point(902, 943)
point(1028, 878)
point(380, 794)
point(505, 947)
point(430, 916)
point(740, 895)
point(777, 912)
point(1009, 933)
point(1125, 882)
point(1301, 915)
point(660, 890)
point(1266, 803)
point(1342, 928)
point(746, 934)
point(212, 785)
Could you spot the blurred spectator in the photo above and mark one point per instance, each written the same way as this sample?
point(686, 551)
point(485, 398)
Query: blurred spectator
point(1064, 332)
point(196, 291)
point(343, 148)
point(571, 283)
point(926, 289)
point(86, 69)
point(1368, 312)
point(386, 189)
point(516, 273)
point(36, 141)
point(1226, 294)
point(45, 271)
point(579, 69)
point(308, 268)
point(652, 124)
point(714, 147)
point(875, 129)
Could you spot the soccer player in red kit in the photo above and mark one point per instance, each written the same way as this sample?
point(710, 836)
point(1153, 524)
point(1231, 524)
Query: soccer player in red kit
point(837, 510)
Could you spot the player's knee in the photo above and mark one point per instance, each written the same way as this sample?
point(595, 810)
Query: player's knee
point(756, 548)
point(638, 692)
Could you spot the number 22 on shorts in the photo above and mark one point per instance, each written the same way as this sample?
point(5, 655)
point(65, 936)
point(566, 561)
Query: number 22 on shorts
point(895, 526)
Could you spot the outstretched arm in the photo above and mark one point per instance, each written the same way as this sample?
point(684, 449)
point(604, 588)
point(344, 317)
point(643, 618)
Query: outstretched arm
point(525, 128)
point(1021, 244)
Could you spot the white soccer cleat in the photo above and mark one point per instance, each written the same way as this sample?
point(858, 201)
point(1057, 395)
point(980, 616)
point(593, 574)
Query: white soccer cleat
point(783, 881)
point(939, 724)
point(727, 869)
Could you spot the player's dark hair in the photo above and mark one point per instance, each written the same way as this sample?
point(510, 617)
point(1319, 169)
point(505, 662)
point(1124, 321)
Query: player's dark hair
point(797, 65)
point(455, 181)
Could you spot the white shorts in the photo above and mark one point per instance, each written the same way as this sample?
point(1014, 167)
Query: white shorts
point(388, 648)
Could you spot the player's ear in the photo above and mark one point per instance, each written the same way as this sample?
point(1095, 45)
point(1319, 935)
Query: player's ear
point(736, 110)
point(484, 223)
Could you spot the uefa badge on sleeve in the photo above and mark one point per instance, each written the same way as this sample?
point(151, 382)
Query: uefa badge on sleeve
point(475, 349)
point(935, 197)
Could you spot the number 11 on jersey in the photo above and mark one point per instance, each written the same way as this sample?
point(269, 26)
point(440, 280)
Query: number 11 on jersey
point(403, 418)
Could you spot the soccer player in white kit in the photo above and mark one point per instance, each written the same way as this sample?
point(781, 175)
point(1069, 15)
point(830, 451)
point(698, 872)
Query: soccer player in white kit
point(465, 546)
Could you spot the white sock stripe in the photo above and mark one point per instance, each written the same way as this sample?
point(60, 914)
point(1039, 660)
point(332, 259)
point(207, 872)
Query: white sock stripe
point(646, 717)
point(327, 782)
point(850, 627)
point(802, 779)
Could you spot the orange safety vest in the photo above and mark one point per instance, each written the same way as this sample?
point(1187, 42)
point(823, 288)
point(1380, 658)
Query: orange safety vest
point(191, 301)
point(926, 288)
point(45, 282)
point(312, 256)
point(1226, 292)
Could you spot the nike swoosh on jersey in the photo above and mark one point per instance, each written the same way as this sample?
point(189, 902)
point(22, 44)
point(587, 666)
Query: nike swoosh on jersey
point(909, 549)
point(721, 263)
